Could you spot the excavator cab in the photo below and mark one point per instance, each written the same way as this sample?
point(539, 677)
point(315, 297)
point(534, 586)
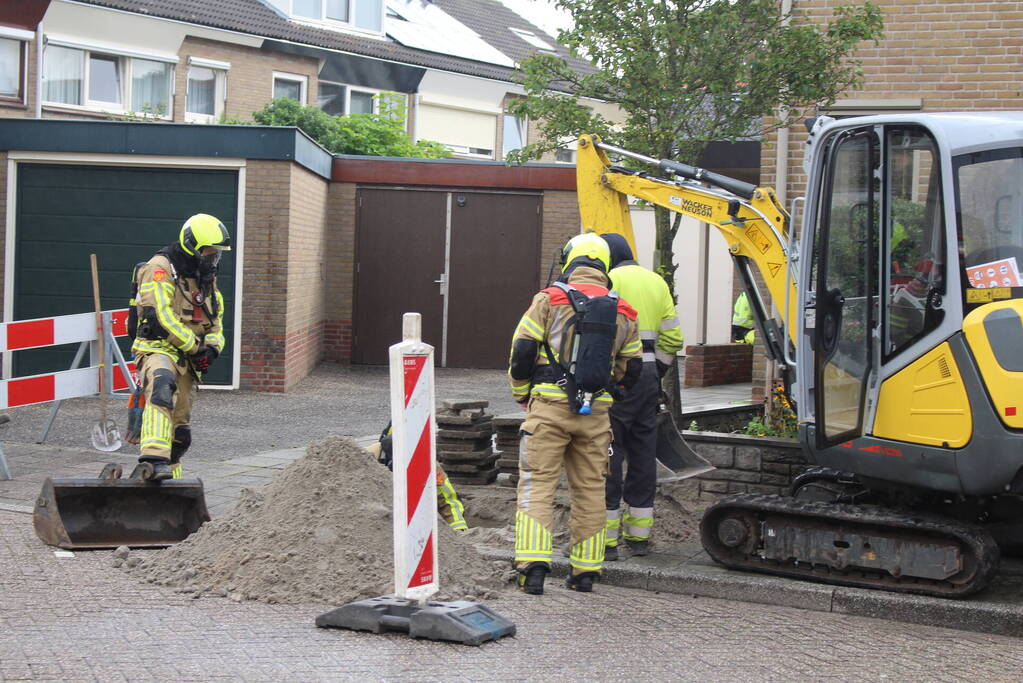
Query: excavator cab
point(912, 256)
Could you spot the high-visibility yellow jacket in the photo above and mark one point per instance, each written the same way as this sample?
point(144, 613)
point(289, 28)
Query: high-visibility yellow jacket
point(181, 315)
point(648, 293)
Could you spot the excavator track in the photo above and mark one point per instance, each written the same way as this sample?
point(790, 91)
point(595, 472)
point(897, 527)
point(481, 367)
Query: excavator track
point(863, 546)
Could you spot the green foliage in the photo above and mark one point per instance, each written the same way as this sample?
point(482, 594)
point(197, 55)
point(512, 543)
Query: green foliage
point(688, 72)
point(381, 134)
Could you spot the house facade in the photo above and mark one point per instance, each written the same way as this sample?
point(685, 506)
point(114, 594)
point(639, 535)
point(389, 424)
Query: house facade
point(452, 62)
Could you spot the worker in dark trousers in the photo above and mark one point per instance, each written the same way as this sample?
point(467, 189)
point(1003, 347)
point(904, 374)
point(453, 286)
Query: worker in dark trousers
point(634, 419)
point(554, 359)
point(178, 330)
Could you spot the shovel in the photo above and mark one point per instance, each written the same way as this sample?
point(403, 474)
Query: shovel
point(105, 436)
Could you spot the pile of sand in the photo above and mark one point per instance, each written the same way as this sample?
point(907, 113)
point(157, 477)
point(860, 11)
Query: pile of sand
point(321, 531)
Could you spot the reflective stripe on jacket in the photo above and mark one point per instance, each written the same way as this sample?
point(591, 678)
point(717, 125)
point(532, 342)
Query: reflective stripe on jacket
point(648, 293)
point(160, 290)
point(548, 317)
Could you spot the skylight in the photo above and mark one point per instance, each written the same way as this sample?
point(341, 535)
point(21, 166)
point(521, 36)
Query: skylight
point(532, 39)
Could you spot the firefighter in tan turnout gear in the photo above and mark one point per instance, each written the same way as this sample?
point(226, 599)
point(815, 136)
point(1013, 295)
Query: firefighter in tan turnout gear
point(576, 345)
point(179, 335)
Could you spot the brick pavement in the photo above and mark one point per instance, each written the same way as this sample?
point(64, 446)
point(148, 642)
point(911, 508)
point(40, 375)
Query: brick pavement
point(78, 619)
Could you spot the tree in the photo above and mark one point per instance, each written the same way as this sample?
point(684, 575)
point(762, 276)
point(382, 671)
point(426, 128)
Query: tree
point(685, 73)
point(381, 134)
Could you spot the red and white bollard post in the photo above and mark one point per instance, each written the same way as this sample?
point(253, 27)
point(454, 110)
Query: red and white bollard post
point(416, 554)
point(413, 437)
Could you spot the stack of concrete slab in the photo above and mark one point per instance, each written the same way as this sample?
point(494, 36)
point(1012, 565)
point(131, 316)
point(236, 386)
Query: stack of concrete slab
point(507, 429)
point(465, 436)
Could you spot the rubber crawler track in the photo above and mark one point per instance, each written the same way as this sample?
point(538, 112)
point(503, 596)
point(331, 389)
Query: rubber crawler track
point(979, 549)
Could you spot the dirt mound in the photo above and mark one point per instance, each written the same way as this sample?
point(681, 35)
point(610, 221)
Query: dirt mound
point(319, 532)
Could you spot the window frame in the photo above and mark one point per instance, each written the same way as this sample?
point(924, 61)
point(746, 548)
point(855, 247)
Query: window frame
point(324, 22)
point(220, 71)
point(125, 61)
point(301, 79)
point(348, 95)
point(504, 132)
point(22, 71)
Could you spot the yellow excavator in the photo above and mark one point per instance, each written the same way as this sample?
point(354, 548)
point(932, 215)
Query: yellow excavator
point(900, 338)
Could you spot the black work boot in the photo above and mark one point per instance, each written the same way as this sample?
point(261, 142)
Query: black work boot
point(161, 468)
point(581, 582)
point(532, 577)
point(639, 548)
point(611, 553)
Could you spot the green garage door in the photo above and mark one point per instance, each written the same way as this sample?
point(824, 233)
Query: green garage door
point(123, 215)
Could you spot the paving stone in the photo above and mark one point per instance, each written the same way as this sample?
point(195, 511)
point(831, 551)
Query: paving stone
point(480, 479)
point(470, 467)
point(464, 404)
point(464, 456)
point(450, 434)
point(448, 420)
point(452, 445)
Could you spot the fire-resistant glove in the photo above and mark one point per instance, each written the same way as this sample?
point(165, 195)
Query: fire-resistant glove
point(204, 358)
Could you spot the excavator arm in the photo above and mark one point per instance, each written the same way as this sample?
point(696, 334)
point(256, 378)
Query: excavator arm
point(753, 223)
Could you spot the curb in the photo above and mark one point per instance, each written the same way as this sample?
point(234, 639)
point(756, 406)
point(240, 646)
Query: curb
point(1001, 618)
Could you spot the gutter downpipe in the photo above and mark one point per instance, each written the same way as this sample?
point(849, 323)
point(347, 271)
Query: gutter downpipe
point(39, 71)
point(781, 183)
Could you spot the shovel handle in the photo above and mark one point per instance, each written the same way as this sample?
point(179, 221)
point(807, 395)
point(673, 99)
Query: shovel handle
point(99, 338)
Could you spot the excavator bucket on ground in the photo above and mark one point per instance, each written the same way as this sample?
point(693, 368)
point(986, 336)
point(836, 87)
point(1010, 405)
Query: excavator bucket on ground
point(110, 511)
point(674, 453)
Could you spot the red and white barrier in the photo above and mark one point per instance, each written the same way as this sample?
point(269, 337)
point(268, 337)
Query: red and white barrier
point(414, 457)
point(57, 386)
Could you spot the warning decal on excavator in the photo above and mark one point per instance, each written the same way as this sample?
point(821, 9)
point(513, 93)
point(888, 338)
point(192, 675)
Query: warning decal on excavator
point(758, 240)
point(774, 268)
point(977, 296)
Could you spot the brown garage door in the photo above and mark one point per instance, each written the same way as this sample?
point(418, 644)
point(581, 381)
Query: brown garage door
point(486, 245)
point(399, 254)
point(495, 257)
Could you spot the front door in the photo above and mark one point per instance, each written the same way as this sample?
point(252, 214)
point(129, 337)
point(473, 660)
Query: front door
point(846, 291)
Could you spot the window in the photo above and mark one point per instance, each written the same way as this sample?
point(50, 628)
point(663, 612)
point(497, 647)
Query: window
point(12, 69)
point(206, 90)
point(290, 85)
point(360, 102)
point(916, 238)
point(564, 155)
point(514, 134)
point(475, 152)
point(110, 82)
point(339, 99)
point(363, 14)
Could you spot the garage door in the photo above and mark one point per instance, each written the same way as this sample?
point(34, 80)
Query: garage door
point(478, 250)
point(123, 215)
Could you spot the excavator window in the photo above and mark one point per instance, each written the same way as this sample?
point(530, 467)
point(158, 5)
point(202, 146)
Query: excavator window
point(915, 228)
point(989, 212)
point(847, 238)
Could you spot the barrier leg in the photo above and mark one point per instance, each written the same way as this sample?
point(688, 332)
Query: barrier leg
point(5, 471)
point(56, 404)
point(112, 344)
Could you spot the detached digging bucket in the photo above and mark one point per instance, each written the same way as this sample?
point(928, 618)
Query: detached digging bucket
point(110, 512)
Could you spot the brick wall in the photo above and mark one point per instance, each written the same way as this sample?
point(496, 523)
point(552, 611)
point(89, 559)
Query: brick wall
point(340, 260)
point(264, 312)
point(560, 222)
point(250, 79)
point(712, 364)
point(307, 273)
